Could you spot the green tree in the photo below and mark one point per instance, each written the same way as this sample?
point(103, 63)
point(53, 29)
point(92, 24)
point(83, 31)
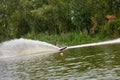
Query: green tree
point(53, 16)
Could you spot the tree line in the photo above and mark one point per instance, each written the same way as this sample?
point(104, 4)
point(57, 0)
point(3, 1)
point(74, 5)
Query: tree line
point(20, 17)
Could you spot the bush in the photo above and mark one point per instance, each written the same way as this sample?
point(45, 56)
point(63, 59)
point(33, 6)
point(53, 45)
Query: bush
point(113, 28)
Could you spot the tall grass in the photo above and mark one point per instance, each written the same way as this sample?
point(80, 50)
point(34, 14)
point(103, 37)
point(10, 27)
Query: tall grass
point(72, 38)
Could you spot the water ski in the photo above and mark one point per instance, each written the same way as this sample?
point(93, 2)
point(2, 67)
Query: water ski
point(63, 48)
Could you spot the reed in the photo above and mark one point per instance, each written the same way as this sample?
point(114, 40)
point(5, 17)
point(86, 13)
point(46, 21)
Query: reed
point(72, 38)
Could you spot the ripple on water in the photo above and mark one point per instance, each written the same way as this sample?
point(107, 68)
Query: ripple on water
point(86, 66)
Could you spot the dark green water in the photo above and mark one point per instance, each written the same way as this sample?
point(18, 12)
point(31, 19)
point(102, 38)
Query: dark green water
point(91, 63)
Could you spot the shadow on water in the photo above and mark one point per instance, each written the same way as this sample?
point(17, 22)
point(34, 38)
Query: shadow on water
point(90, 63)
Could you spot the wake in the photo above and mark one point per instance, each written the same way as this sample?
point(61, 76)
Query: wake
point(22, 47)
point(96, 44)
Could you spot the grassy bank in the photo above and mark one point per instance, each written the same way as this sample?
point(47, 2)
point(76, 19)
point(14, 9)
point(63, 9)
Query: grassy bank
point(66, 38)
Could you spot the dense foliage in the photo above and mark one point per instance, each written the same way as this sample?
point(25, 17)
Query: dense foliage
point(22, 17)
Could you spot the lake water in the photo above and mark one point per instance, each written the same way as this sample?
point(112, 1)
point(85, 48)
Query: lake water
point(90, 63)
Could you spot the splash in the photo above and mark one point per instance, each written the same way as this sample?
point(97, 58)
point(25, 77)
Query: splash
point(96, 44)
point(25, 47)
point(21, 47)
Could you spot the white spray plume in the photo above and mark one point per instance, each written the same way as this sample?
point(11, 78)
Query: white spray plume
point(26, 46)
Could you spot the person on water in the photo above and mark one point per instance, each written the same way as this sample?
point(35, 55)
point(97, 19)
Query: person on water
point(62, 48)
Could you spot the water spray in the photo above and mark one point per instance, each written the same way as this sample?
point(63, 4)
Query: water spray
point(93, 44)
point(27, 46)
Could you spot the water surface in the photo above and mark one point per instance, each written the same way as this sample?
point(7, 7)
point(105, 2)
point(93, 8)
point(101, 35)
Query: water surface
point(90, 63)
